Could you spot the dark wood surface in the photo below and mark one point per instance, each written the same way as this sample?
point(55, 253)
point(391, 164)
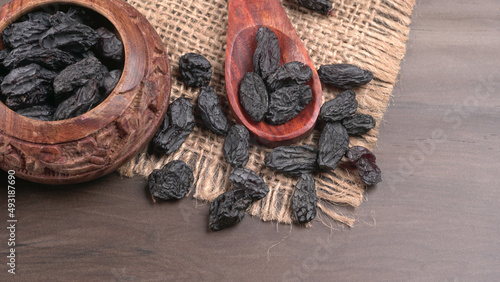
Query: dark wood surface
point(435, 217)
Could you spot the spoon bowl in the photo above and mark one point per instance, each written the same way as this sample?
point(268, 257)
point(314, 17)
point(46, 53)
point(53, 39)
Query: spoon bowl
point(245, 18)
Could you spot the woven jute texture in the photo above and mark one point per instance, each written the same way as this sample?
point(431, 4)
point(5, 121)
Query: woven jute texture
point(368, 33)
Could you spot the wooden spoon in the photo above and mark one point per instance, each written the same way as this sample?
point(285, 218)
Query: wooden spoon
point(244, 19)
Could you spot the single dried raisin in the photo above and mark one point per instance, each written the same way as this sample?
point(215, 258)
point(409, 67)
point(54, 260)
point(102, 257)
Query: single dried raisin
point(344, 76)
point(110, 81)
point(289, 74)
point(369, 171)
point(236, 146)
point(287, 102)
point(109, 46)
point(340, 107)
point(195, 70)
point(304, 199)
point(76, 75)
point(333, 143)
point(43, 112)
point(211, 113)
point(228, 209)
point(248, 180)
point(53, 59)
point(253, 96)
point(320, 6)
point(358, 124)
point(293, 160)
point(267, 55)
point(40, 17)
point(27, 86)
point(85, 99)
point(365, 161)
point(355, 153)
point(22, 33)
point(69, 36)
point(172, 182)
point(180, 125)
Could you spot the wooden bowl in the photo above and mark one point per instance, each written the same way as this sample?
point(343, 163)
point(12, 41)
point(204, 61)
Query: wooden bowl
point(101, 140)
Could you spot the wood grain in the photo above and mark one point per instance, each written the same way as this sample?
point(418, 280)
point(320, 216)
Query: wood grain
point(244, 19)
point(433, 218)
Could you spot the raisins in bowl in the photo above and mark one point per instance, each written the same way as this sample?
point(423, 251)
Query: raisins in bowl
point(68, 60)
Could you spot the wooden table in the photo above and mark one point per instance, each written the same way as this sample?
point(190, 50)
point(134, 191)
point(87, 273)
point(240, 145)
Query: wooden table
point(435, 217)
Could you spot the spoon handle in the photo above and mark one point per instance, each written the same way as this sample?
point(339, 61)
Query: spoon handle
point(245, 13)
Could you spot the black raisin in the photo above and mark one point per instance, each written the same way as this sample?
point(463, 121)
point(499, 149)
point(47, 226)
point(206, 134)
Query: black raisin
point(365, 161)
point(333, 143)
point(320, 6)
point(70, 36)
point(344, 76)
point(155, 143)
point(253, 96)
point(172, 182)
point(267, 55)
point(236, 146)
point(53, 59)
point(27, 86)
point(43, 112)
point(293, 160)
point(195, 70)
point(211, 113)
point(340, 107)
point(22, 33)
point(76, 75)
point(289, 74)
point(180, 122)
point(358, 124)
point(109, 46)
point(73, 15)
point(110, 81)
point(369, 171)
point(40, 17)
point(85, 99)
point(287, 102)
point(4, 53)
point(61, 17)
point(228, 209)
point(304, 199)
point(354, 153)
point(248, 180)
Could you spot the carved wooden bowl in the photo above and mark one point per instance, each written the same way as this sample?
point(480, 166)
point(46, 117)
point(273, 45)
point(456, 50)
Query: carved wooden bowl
point(99, 141)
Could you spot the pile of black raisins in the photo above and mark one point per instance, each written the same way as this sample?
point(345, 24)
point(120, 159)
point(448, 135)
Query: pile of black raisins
point(341, 120)
point(275, 94)
point(56, 66)
point(173, 181)
point(272, 92)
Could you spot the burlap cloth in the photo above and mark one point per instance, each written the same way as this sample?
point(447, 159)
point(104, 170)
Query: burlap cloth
point(368, 33)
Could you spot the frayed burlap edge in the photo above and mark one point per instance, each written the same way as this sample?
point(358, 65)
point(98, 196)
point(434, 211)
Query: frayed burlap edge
point(370, 34)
